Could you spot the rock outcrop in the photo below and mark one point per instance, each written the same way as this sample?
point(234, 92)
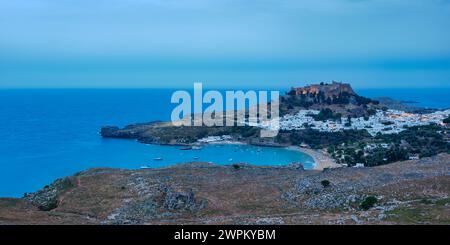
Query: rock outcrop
point(47, 198)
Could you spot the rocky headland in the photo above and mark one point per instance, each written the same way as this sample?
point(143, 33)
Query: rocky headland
point(332, 118)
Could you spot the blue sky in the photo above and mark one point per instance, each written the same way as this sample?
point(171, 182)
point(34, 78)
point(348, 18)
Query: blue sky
point(224, 43)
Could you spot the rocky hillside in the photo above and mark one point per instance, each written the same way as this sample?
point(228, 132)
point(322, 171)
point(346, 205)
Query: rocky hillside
point(402, 106)
point(410, 192)
point(340, 98)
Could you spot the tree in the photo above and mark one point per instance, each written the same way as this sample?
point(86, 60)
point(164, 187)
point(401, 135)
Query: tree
point(325, 183)
point(447, 120)
point(368, 203)
point(371, 112)
point(292, 92)
point(327, 114)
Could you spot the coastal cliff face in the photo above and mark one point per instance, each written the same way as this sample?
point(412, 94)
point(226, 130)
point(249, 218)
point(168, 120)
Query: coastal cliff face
point(410, 192)
point(164, 133)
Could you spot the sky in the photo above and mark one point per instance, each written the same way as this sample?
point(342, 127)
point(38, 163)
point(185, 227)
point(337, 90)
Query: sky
point(223, 43)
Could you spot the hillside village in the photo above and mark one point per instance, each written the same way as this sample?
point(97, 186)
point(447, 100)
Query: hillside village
point(384, 122)
point(354, 130)
point(406, 180)
point(357, 131)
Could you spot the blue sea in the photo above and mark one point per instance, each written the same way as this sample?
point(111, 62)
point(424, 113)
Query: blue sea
point(437, 98)
point(48, 134)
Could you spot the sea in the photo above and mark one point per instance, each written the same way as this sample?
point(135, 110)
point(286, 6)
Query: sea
point(47, 134)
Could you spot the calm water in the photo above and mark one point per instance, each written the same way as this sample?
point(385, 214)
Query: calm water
point(427, 97)
point(47, 134)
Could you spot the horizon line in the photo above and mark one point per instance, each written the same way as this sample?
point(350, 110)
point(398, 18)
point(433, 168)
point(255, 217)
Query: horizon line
point(213, 87)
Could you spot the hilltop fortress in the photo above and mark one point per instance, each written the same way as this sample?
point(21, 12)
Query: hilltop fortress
point(335, 89)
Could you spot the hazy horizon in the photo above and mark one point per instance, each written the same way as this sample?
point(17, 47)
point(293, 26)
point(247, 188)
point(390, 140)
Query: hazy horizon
point(173, 43)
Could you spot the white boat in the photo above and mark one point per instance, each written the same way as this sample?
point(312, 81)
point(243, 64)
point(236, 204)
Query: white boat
point(158, 158)
point(144, 167)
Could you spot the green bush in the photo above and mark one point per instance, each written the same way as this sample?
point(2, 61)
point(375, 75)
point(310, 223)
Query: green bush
point(327, 114)
point(368, 203)
point(325, 183)
point(447, 120)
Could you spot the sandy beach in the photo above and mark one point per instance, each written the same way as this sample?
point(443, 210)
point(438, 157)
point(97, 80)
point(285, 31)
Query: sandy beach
point(321, 159)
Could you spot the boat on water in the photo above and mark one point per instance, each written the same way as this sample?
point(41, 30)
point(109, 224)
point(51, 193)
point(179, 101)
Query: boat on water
point(186, 148)
point(196, 157)
point(144, 167)
point(158, 158)
point(196, 147)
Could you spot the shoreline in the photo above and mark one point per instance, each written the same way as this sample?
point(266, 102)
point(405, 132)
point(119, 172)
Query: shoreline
point(321, 159)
